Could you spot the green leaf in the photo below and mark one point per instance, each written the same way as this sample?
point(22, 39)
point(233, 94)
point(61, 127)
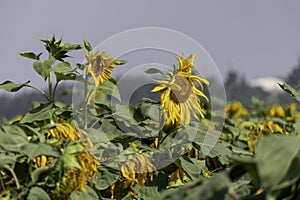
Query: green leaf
point(69, 46)
point(37, 193)
point(215, 188)
point(249, 164)
point(34, 150)
point(293, 92)
point(43, 67)
point(14, 130)
point(105, 178)
point(40, 113)
point(30, 131)
point(68, 76)
point(7, 160)
point(12, 143)
point(109, 88)
point(69, 155)
point(31, 55)
point(89, 194)
point(120, 62)
point(191, 167)
point(13, 87)
point(274, 156)
point(87, 45)
point(62, 67)
point(297, 126)
point(153, 71)
point(124, 115)
point(57, 49)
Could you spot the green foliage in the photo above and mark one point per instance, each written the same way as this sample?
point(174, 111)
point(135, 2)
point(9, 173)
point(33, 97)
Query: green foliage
point(256, 157)
point(293, 92)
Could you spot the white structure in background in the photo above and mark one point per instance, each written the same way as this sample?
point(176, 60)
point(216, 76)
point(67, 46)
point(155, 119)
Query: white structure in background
point(268, 84)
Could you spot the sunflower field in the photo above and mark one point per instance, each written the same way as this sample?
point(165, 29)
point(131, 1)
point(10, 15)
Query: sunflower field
point(98, 148)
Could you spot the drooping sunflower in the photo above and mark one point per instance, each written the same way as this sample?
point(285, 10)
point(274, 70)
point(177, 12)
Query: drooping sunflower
point(74, 178)
point(99, 66)
point(136, 170)
point(180, 96)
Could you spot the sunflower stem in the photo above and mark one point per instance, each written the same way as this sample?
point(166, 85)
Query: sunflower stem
point(159, 139)
point(40, 91)
point(50, 88)
point(85, 101)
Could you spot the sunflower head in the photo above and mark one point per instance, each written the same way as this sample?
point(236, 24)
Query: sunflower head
point(63, 131)
point(276, 111)
point(99, 66)
point(181, 92)
point(272, 127)
point(235, 109)
point(75, 179)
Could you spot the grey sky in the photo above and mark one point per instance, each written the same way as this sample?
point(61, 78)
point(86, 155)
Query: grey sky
point(257, 38)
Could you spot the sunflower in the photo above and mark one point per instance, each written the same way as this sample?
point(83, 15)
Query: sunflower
point(73, 179)
point(99, 66)
point(180, 97)
point(235, 109)
point(63, 131)
point(136, 170)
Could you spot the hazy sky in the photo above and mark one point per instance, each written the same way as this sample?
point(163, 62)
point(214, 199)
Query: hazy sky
point(257, 38)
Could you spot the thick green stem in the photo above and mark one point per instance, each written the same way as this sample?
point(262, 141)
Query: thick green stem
point(51, 96)
point(55, 88)
point(85, 101)
point(160, 139)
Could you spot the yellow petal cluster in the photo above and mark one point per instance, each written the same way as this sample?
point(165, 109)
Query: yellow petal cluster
point(136, 170)
point(235, 108)
point(73, 179)
point(180, 95)
point(63, 131)
point(42, 161)
point(272, 127)
point(99, 66)
point(276, 111)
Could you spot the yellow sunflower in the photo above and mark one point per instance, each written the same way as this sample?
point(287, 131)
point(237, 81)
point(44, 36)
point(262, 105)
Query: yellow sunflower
point(180, 97)
point(99, 66)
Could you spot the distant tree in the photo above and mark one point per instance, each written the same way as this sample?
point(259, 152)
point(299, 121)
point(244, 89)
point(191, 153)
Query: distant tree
point(238, 89)
point(294, 76)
